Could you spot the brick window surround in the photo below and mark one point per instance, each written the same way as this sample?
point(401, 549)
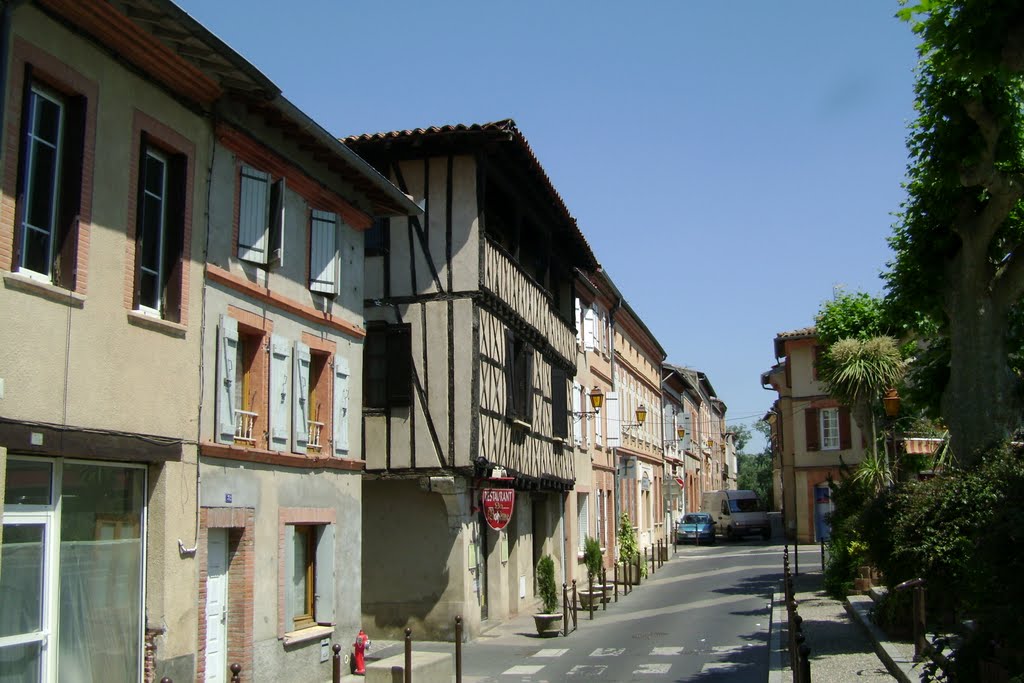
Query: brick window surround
point(293, 516)
point(241, 526)
point(257, 329)
point(168, 140)
point(323, 386)
point(62, 78)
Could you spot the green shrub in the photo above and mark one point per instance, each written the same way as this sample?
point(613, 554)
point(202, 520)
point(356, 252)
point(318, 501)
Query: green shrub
point(592, 556)
point(546, 584)
point(847, 550)
point(629, 550)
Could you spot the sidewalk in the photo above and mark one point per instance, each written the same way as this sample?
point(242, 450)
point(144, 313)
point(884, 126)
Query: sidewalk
point(842, 639)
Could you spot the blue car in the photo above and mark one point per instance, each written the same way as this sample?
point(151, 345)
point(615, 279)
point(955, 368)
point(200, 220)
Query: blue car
point(696, 527)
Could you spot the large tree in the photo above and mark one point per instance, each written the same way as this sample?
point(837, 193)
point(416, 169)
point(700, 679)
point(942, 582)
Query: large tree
point(958, 270)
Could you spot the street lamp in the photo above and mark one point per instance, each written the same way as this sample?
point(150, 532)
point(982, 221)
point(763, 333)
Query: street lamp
point(891, 403)
point(596, 402)
point(641, 417)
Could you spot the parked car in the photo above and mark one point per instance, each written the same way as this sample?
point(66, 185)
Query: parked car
point(696, 527)
point(738, 513)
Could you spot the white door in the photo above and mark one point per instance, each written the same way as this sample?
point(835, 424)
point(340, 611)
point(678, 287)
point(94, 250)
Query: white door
point(216, 605)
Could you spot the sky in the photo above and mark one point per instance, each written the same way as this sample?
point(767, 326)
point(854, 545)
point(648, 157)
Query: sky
point(732, 164)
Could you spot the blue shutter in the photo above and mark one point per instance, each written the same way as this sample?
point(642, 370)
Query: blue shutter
point(300, 398)
point(341, 407)
point(253, 210)
point(323, 252)
point(280, 405)
point(324, 580)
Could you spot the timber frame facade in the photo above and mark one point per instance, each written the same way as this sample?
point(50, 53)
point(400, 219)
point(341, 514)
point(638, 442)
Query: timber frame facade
point(469, 357)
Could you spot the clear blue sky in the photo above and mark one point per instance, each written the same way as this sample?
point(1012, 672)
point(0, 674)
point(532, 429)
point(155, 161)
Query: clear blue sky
point(731, 163)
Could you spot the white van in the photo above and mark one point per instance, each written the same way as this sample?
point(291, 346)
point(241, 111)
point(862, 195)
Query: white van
point(736, 513)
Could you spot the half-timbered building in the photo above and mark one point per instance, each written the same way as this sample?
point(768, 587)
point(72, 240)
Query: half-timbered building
point(469, 358)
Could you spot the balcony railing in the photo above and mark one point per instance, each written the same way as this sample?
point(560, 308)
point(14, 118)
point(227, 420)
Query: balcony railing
point(245, 423)
point(313, 431)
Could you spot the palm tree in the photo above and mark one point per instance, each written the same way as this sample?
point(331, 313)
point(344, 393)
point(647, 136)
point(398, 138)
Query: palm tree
point(857, 372)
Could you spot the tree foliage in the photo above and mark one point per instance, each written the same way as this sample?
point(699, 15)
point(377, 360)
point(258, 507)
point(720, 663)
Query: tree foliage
point(741, 436)
point(754, 473)
point(957, 275)
point(855, 315)
point(546, 584)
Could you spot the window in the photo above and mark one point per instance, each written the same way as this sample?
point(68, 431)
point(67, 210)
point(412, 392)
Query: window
point(387, 366)
point(260, 217)
point(577, 419)
point(375, 240)
point(323, 252)
point(159, 232)
point(583, 519)
point(318, 401)
point(589, 329)
point(309, 575)
point(49, 185)
point(829, 420)
point(518, 379)
point(559, 404)
point(241, 385)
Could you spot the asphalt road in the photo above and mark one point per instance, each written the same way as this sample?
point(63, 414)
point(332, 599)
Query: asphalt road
point(703, 616)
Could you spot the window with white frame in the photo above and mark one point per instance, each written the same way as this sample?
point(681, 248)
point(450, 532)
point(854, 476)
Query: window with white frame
point(323, 252)
point(160, 231)
point(828, 419)
point(260, 217)
point(582, 518)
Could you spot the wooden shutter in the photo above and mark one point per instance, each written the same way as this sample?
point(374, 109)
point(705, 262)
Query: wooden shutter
point(510, 375)
point(323, 252)
point(811, 428)
point(577, 323)
point(280, 403)
point(687, 418)
point(65, 269)
point(276, 224)
point(577, 419)
point(174, 237)
point(528, 358)
point(588, 328)
point(845, 441)
point(324, 578)
point(583, 517)
point(559, 404)
point(611, 410)
point(340, 418)
point(227, 356)
point(300, 398)
point(252, 214)
point(399, 365)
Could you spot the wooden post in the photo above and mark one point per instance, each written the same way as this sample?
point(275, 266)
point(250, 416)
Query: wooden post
point(408, 655)
point(458, 648)
point(919, 628)
point(336, 664)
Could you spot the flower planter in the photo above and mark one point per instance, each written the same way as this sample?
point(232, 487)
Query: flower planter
point(547, 624)
point(586, 596)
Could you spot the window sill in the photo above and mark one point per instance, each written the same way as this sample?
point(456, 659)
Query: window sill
point(29, 285)
point(307, 634)
point(520, 424)
point(151, 322)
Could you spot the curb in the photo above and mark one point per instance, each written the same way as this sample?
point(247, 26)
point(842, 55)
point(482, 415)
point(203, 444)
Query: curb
point(775, 640)
point(901, 668)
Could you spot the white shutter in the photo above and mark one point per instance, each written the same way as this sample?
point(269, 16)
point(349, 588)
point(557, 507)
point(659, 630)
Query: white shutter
point(583, 519)
point(588, 329)
point(324, 580)
point(599, 518)
point(300, 398)
point(227, 356)
point(611, 410)
point(292, 603)
point(254, 199)
point(280, 406)
point(609, 337)
point(323, 252)
point(340, 421)
point(687, 420)
point(577, 323)
point(668, 422)
point(577, 419)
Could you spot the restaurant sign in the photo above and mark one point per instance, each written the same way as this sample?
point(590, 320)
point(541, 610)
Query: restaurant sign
point(497, 505)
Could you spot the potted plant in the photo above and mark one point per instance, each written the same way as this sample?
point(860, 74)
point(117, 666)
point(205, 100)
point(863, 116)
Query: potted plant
point(592, 557)
point(629, 550)
point(548, 621)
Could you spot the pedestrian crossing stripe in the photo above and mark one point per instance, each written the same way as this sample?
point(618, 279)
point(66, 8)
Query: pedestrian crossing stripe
point(654, 669)
point(719, 666)
point(553, 652)
point(607, 652)
point(522, 670)
point(666, 651)
point(587, 670)
point(729, 649)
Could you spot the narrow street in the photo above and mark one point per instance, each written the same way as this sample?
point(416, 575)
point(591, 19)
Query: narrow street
point(704, 616)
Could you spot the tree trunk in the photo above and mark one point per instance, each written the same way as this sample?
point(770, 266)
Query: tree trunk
point(982, 401)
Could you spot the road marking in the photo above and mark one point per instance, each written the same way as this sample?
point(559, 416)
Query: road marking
point(666, 651)
point(550, 653)
point(522, 670)
point(587, 670)
point(728, 649)
point(607, 652)
point(656, 669)
point(719, 666)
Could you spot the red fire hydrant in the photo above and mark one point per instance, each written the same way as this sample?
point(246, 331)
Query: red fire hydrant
point(362, 645)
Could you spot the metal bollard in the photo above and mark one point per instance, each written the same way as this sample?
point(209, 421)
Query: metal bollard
point(236, 673)
point(805, 664)
point(652, 560)
point(408, 655)
point(615, 572)
point(823, 554)
point(458, 648)
point(590, 595)
point(565, 609)
point(336, 664)
point(794, 661)
point(165, 679)
point(638, 568)
point(919, 626)
point(796, 559)
point(604, 589)
point(575, 611)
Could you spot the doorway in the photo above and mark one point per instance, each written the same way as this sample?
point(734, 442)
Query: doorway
point(216, 605)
